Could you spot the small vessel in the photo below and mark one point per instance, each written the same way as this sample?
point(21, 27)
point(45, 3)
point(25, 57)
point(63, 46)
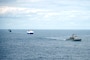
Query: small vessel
point(74, 38)
point(9, 30)
point(30, 32)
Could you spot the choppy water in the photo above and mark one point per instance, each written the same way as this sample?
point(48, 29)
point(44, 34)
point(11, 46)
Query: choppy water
point(44, 45)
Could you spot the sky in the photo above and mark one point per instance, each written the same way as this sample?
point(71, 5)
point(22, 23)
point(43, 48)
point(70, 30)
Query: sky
point(44, 14)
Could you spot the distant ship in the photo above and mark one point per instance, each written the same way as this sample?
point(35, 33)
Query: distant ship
point(74, 38)
point(9, 30)
point(30, 32)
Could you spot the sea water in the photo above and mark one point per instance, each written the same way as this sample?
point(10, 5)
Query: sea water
point(44, 45)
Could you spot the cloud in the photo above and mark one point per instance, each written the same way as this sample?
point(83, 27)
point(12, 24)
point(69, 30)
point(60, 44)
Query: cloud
point(50, 14)
point(44, 13)
point(6, 9)
point(32, 1)
point(16, 10)
point(7, 1)
point(73, 2)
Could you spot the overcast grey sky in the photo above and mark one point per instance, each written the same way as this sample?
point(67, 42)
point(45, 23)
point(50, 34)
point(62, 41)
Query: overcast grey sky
point(44, 14)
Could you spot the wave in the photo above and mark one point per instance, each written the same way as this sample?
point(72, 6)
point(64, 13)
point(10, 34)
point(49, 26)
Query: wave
point(55, 38)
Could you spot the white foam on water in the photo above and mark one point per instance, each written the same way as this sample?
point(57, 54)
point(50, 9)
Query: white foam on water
point(55, 38)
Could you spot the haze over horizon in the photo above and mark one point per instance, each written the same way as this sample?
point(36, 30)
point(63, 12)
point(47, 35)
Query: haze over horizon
point(44, 14)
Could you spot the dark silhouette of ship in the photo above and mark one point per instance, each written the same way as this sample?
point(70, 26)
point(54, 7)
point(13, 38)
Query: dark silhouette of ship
point(9, 30)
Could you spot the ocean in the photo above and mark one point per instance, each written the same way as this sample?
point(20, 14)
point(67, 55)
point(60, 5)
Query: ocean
point(44, 45)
